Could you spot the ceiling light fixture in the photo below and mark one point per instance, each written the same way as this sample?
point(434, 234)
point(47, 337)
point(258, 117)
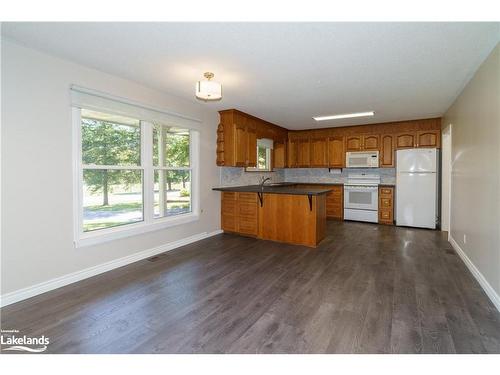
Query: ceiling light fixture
point(345, 115)
point(208, 90)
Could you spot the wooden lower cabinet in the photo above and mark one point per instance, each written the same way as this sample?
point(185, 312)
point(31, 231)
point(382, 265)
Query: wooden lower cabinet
point(239, 212)
point(335, 203)
point(386, 205)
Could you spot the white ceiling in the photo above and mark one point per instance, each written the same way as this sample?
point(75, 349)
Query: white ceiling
point(284, 72)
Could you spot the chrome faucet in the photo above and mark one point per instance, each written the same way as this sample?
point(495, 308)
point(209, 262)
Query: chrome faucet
point(263, 181)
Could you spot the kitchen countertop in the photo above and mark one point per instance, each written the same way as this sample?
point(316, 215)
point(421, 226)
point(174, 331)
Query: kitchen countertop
point(285, 188)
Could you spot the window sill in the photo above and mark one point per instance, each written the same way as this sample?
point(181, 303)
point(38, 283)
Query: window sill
point(98, 237)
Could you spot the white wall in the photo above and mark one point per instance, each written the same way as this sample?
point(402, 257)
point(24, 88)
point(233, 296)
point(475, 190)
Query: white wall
point(475, 181)
point(37, 236)
point(445, 177)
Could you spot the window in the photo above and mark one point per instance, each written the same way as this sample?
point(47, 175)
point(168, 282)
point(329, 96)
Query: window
point(264, 152)
point(131, 174)
point(172, 171)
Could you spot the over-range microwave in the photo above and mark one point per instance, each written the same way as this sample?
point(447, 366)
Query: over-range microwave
point(362, 159)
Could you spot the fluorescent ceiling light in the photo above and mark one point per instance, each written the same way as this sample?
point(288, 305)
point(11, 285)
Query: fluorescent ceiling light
point(345, 115)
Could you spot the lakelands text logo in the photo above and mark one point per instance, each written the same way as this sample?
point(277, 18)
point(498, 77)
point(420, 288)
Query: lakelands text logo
point(11, 340)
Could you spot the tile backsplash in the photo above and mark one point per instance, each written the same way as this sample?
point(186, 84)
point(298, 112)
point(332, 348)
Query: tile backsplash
point(230, 176)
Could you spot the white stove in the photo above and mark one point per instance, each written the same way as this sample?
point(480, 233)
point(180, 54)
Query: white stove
point(361, 197)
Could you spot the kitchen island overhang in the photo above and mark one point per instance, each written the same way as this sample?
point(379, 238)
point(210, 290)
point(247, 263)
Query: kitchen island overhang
point(285, 214)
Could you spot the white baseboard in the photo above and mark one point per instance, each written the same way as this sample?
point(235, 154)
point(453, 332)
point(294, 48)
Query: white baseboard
point(61, 281)
point(490, 292)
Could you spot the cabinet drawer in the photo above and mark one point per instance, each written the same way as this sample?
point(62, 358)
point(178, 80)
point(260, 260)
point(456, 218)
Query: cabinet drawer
point(386, 191)
point(247, 197)
point(385, 216)
point(248, 209)
point(385, 202)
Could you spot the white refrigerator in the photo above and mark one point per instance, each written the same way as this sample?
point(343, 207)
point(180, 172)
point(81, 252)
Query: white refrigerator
point(417, 187)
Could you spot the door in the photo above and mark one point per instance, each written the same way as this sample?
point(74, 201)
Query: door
point(353, 143)
point(416, 199)
point(336, 153)
point(405, 140)
point(387, 151)
point(371, 142)
point(319, 152)
point(428, 138)
point(417, 160)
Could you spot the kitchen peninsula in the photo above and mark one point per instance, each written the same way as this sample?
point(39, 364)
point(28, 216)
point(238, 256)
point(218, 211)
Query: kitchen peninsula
point(283, 212)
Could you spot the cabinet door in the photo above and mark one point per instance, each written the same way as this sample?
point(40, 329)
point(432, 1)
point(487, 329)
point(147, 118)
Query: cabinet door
point(336, 153)
point(279, 154)
point(387, 151)
point(335, 202)
point(292, 153)
point(353, 143)
point(429, 138)
point(405, 140)
point(303, 153)
point(240, 144)
point(319, 152)
point(251, 144)
point(371, 142)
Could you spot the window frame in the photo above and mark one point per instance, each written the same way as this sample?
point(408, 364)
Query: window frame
point(149, 222)
point(269, 161)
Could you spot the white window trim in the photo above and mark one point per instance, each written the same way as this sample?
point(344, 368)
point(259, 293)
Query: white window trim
point(149, 223)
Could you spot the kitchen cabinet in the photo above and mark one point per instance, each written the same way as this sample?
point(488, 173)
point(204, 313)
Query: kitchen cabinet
point(387, 152)
point(386, 205)
point(336, 152)
point(238, 132)
point(239, 213)
point(354, 143)
point(362, 142)
point(303, 153)
point(371, 142)
point(335, 202)
point(429, 138)
point(237, 136)
point(292, 153)
point(406, 140)
point(319, 152)
point(279, 155)
point(419, 138)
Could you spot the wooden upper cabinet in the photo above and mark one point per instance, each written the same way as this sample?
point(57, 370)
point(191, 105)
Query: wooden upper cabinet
point(303, 153)
point(362, 142)
point(387, 151)
point(292, 153)
point(429, 138)
point(279, 155)
point(406, 140)
point(240, 144)
point(336, 153)
point(354, 143)
point(371, 142)
point(319, 152)
point(251, 144)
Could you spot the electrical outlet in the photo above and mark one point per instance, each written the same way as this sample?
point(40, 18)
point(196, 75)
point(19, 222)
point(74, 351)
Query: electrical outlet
point(465, 238)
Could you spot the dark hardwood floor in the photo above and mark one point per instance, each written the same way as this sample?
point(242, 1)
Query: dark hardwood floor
point(366, 289)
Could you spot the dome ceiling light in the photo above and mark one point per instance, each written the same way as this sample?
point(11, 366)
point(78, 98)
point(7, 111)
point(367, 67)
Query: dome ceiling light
point(208, 90)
